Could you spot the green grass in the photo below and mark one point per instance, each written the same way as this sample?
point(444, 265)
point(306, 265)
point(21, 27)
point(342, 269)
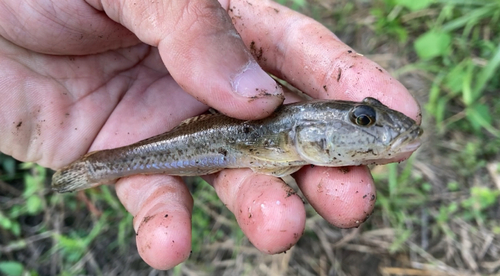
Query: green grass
point(437, 212)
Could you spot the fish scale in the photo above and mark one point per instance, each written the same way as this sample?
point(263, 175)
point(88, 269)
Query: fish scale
point(319, 132)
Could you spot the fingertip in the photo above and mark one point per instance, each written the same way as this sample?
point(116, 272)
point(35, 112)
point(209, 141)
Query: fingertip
point(260, 93)
point(268, 211)
point(391, 92)
point(358, 78)
point(252, 82)
point(161, 206)
point(239, 88)
point(344, 196)
point(164, 238)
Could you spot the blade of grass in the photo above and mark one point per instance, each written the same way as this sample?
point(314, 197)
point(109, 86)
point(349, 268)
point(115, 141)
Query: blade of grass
point(392, 179)
point(487, 73)
point(474, 16)
point(466, 2)
point(467, 96)
point(477, 114)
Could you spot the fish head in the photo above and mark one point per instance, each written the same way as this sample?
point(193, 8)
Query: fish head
point(367, 132)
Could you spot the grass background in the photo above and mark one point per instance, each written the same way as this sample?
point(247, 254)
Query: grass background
point(436, 214)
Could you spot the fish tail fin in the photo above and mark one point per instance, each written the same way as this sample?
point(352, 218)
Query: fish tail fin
point(73, 177)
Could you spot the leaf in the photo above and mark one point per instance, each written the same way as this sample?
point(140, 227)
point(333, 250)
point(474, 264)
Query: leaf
point(467, 85)
point(415, 5)
point(11, 268)
point(453, 186)
point(454, 78)
point(440, 110)
point(5, 222)
point(479, 116)
point(487, 73)
point(432, 44)
point(16, 229)
point(300, 3)
point(34, 204)
point(476, 114)
point(30, 185)
point(484, 196)
point(8, 164)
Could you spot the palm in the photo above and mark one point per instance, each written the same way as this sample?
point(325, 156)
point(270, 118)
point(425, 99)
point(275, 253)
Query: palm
point(75, 103)
point(73, 79)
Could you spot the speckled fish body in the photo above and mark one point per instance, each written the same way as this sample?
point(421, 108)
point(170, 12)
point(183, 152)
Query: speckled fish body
point(320, 132)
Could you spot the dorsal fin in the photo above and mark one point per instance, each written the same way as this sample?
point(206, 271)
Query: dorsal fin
point(188, 121)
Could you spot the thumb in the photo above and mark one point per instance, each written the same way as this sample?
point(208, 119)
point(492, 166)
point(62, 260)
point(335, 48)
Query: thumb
point(203, 52)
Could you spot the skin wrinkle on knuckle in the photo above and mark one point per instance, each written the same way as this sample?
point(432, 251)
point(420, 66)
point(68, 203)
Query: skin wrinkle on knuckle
point(228, 185)
point(144, 19)
point(147, 195)
point(199, 18)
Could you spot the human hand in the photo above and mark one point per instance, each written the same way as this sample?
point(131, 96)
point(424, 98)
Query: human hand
point(74, 80)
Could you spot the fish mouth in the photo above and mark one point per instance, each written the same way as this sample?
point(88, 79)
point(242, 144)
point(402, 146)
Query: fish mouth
point(408, 141)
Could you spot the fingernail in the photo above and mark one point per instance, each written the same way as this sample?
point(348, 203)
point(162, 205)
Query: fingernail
point(254, 82)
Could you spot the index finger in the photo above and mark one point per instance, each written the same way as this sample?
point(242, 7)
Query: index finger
point(306, 54)
point(203, 52)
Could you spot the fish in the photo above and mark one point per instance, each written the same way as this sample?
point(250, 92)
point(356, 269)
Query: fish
point(329, 133)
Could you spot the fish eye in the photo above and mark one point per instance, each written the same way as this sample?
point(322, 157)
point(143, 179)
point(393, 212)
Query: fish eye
point(363, 115)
